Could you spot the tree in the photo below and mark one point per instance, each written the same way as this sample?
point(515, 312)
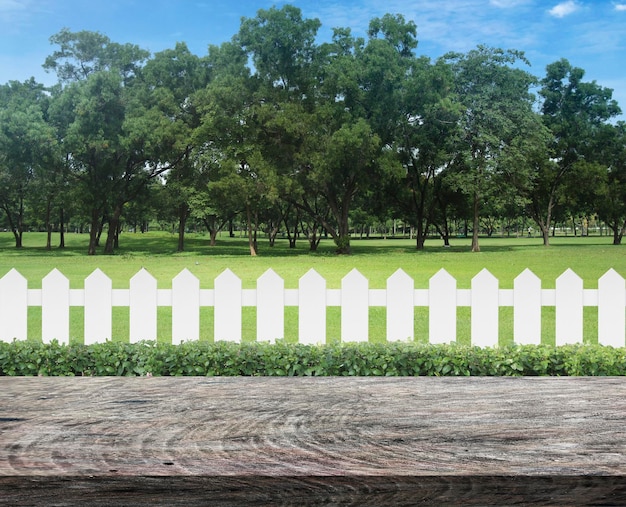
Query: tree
point(281, 45)
point(611, 202)
point(228, 138)
point(497, 115)
point(116, 141)
point(575, 112)
point(347, 150)
point(425, 140)
point(96, 74)
point(171, 81)
point(26, 141)
point(83, 53)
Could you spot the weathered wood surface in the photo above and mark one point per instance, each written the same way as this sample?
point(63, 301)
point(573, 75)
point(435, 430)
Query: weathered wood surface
point(312, 441)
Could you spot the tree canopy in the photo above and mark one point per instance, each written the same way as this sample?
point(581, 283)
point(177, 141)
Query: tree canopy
point(276, 131)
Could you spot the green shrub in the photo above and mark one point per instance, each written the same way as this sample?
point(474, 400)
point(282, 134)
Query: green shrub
point(288, 359)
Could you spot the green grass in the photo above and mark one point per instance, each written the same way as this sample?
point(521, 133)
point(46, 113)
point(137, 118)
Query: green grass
point(506, 258)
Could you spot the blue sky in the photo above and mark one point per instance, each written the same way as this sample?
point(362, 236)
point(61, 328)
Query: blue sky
point(590, 33)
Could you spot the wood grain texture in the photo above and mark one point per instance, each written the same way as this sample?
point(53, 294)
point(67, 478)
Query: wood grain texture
point(312, 441)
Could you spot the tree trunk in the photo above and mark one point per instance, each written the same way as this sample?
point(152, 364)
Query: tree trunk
point(62, 229)
point(292, 238)
point(251, 238)
point(100, 229)
point(420, 241)
point(93, 232)
point(312, 235)
point(18, 242)
point(444, 233)
point(342, 239)
point(475, 246)
point(109, 247)
point(618, 232)
point(545, 233)
point(116, 238)
point(273, 233)
point(617, 237)
point(48, 225)
point(420, 237)
point(18, 238)
point(343, 244)
point(20, 225)
point(183, 214)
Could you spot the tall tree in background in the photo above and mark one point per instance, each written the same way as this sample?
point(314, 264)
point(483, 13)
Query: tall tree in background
point(354, 122)
point(228, 136)
point(575, 112)
point(171, 81)
point(611, 202)
point(498, 110)
point(26, 142)
point(97, 75)
point(425, 140)
point(117, 141)
point(281, 45)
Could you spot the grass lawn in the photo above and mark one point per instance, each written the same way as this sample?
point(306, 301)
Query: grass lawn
point(589, 257)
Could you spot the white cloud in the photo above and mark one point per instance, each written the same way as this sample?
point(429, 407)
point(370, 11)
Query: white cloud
point(620, 7)
point(564, 9)
point(9, 9)
point(15, 12)
point(11, 5)
point(505, 4)
point(454, 25)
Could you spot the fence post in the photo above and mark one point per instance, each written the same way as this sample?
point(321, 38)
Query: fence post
point(55, 308)
point(442, 308)
point(98, 305)
point(143, 307)
point(227, 321)
point(270, 311)
point(400, 307)
point(354, 307)
point(185, 307)
point(527, 308)
point(569, 308)
point(611, 309)
point(312, 308)
point(485, 309)
point(13, 307)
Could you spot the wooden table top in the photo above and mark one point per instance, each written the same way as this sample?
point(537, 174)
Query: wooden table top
point(312, 441)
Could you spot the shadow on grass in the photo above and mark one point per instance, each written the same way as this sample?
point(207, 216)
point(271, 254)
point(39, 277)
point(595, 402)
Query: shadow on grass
point(165, 244)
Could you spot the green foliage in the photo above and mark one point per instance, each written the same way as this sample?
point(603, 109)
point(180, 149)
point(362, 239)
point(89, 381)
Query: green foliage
point(23, 358)
point(283, 132)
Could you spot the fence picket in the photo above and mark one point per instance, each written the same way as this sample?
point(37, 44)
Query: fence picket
point(354, 307)
point(485, 309)
point(270, 313)
point(98, 304)
point(55, 307)
point(442, 308)
point(527, 308)
point(185, 307)
point(400, 307)
point(312, 308)
point(227, 320)
point(611, 304)
point(143, 307)
point(569, 308)
point(13, 306)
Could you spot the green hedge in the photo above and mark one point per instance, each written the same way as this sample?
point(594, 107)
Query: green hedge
point(285, 359)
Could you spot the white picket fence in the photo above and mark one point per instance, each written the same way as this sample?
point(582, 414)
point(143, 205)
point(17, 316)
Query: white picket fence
point(312, 299)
